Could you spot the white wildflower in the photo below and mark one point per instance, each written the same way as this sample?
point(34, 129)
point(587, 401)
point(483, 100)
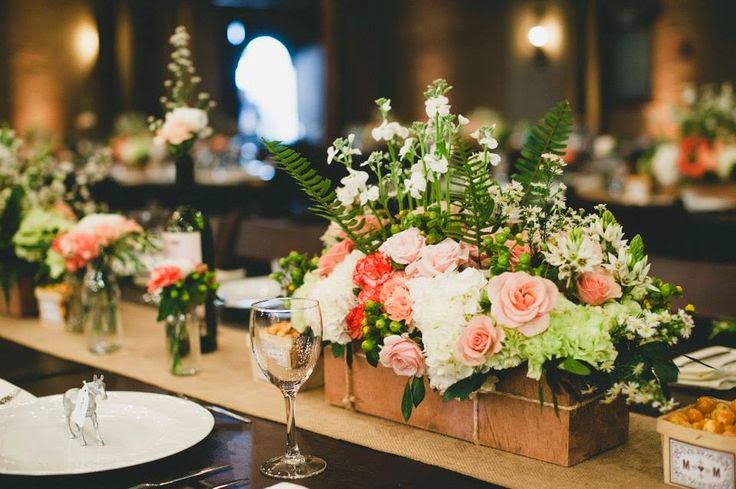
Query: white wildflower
point(438, 105)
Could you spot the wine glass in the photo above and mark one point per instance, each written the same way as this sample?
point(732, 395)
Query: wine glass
point(286, 337)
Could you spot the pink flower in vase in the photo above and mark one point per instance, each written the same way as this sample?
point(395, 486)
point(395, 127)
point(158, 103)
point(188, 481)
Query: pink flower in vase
point(404, 247)
point(446, 256)
point(396, 298)
point(333, 256)
point(597, 287)
point(480, 339)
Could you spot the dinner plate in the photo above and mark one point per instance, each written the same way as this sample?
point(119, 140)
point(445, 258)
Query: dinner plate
point(137, 427)
point(241, 293)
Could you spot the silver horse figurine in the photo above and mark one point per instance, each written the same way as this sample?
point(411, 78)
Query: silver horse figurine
point(80, 404)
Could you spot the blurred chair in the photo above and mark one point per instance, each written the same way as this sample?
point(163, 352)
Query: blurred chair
point(261, 240)
point(711, 287)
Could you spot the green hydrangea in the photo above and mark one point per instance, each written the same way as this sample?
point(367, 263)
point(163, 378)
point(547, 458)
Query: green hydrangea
point(36, 232)
point(575, 331)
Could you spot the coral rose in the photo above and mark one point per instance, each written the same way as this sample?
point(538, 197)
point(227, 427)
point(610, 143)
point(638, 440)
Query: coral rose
point(480, 338)
point(163, 276)
point(517, 249)
point(404, 247)
point(402, 355)
point(336, 254)
point(522, 301)
point(597, 287)
point(372, 270)
point(396, 298)
point(437, 259)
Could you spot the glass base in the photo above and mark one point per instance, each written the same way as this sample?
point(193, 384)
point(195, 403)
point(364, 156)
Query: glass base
point(185, 371)
point(104, 347)
point(293, 468)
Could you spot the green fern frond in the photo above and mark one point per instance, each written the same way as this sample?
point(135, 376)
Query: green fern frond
point(320, 192)
point(549, 135)
point(470, 183)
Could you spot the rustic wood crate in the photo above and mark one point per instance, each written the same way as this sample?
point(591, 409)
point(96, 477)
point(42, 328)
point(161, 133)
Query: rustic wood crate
point(511, 420)
point(22, 301)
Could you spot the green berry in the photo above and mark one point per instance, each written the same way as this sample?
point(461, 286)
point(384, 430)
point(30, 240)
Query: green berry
point(174, 294)
point(525, 258)
point(666, 289)
point(395, 326)
point(502, 260)
point(381, 323)
point(395, 229)
point(501, 238)
point(368, 345)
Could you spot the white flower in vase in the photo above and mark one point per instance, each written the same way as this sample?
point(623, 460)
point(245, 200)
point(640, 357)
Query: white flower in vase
point(183, 124)
point(388, 130)
point(437, 164)
point(353, 185)
point(416, 184)
point(406, 147)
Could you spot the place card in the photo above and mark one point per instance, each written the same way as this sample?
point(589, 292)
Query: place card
point(699, 467)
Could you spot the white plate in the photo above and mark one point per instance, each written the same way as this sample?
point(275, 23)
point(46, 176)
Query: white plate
point(243, 292)
point(137, 427)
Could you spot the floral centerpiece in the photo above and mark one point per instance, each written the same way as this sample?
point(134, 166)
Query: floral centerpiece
point(102, 246)
point(180, 287)
point(185, 118)
point(434, 269)
point(705, 148)
point(40, 196)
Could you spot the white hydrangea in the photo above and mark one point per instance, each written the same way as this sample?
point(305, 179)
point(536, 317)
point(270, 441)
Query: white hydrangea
point(336, 298)
point(442, 306)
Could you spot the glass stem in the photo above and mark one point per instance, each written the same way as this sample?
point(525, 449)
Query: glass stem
point(292, 449)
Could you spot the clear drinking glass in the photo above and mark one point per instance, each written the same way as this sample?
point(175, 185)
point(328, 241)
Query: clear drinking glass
point(286, 337)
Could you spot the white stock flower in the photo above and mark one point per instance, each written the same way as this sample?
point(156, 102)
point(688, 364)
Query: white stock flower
point(406, 147)
point(463, 121)
point(331, 152)
point(388, 130)
point(664, 164)
point(416, 184)
point(336, 298)
point(369, 194)
point(353, 185)
point(385, 106)
point(438, 105)
point(436, 164)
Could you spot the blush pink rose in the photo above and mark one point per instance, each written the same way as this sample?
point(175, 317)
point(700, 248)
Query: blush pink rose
point(522, 301)
point(445, 256)
point(517, 249)
point(174, 132)
point(480, 339)
point(333, 256)
point(402, 355)
point(597, 287)
point(404, 247)
point(163, 276)
point(77, 249)
point(396, 298)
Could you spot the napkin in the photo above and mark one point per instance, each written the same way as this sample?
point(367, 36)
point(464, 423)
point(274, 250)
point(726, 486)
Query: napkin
point(6, 388)
point(286, 485)
point(719, 371)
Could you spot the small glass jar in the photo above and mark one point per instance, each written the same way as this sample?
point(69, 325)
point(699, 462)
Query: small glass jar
point(74, 303)
point(101, 295)
point(182, 342)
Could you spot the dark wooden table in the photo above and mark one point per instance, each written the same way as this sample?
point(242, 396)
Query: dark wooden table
point(243, 446)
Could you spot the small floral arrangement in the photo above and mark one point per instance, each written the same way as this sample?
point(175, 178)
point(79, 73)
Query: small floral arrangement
point(181, 286)
point(433, 268)
point(706, 144)
point(292, 271)
point(39, 197)
point(101, 240)
point(186, 118)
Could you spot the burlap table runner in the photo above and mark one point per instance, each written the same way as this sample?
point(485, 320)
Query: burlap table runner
point(226, 380)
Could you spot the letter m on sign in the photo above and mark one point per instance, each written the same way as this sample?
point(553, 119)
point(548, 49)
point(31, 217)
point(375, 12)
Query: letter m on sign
point(716, 473)
point(685, 464)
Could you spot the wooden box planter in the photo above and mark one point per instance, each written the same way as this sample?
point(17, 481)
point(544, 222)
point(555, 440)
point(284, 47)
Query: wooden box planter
point(22, 301)
point(510, 419)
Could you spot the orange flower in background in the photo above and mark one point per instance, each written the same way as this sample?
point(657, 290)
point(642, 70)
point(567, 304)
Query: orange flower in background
point(697, 157)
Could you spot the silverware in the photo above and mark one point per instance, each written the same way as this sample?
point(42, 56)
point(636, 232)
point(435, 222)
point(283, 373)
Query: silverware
point(193, 475)
point(9, 397)
point(227, 412)
point(236, 482)
point(217, 409)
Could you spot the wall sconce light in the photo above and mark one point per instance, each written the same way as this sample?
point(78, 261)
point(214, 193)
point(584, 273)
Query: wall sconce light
point(86, 44)
point(539, 37)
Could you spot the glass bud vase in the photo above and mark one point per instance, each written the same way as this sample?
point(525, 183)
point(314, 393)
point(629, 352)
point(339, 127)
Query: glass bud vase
point(74, 303)
point(182, 342)
point(101, 296)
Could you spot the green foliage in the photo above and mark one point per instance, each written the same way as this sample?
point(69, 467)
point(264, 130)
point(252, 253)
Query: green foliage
point(462, 389)
point(574, 367)
point(413, 396)
point(10, 219)
point(337, 350)
point(319, 190)
point(294, 267)
point(549, 135)
point(470, 182)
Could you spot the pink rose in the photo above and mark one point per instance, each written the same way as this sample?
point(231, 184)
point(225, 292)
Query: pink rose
point(437, 259)
point(404, 247)
point(336, 254)
point(396, 299)
point(597, 287)
point(522, 301)
point(402, 355)
point(480, 338)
